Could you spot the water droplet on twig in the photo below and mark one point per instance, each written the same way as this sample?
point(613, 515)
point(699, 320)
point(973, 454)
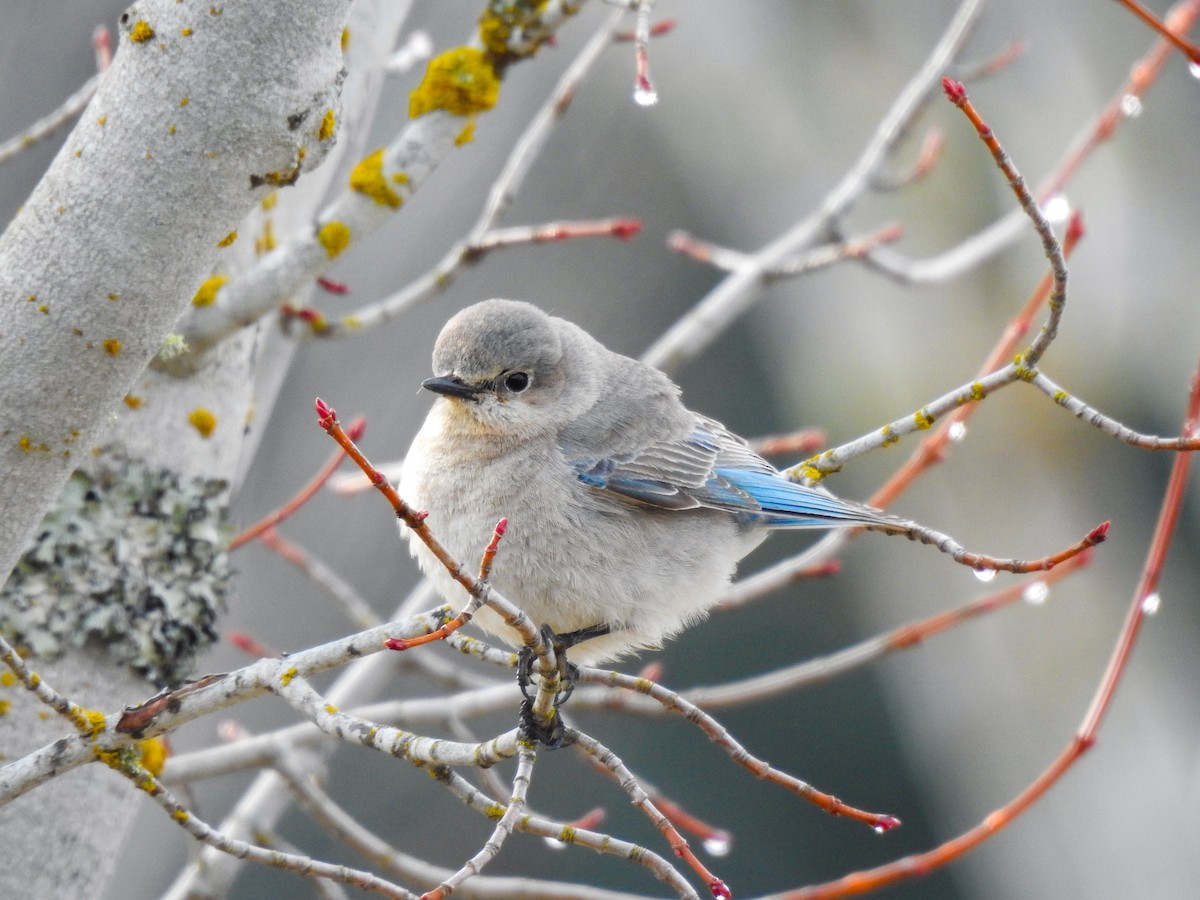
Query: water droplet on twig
point(644, 95)
point(1036, 593)
point(718, 845)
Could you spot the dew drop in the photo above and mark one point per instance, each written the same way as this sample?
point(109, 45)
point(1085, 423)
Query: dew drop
point(1194, 69)
point(985, 575)
point(886, 824)
point(720, 891)
point(1036, 593)
point(645, 96)
point(718, 844)
point(956, 432)
point(554, 843)
point(1131, 105)
point(1151, 603)
point(1057, 209)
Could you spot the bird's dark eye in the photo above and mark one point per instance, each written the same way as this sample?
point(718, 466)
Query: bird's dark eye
point(516, 381)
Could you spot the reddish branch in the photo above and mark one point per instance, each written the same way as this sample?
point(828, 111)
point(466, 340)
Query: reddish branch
point(354, 432)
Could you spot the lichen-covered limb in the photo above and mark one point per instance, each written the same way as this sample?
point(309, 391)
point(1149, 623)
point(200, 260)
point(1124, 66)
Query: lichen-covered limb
point(393, 741)
point(507, 823)
point(501, 195)
point(738, 291)
point(205, 833)
point(1107, 424)
point(47, 125)
point(93, 280)
point(322, 808)
point(816, 467)
point(171, 709)
point(583, 837)
point(459, 84)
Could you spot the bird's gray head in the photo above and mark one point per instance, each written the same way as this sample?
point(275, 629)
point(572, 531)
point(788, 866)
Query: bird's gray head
point(501, 363)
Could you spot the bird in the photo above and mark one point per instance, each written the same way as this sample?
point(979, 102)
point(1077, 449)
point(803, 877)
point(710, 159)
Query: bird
point(627, 512)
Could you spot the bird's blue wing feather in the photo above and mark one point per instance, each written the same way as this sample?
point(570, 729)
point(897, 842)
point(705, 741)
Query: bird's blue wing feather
point(714, 469)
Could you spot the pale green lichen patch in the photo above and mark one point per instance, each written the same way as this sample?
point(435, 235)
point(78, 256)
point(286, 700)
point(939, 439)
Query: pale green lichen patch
point(460, 81)
point(131, 560)
point(367, 178)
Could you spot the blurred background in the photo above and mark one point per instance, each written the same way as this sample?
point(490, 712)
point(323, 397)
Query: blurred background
point(763, 108)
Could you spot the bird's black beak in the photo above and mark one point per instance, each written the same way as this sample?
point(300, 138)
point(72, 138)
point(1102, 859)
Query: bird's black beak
point(452, 387)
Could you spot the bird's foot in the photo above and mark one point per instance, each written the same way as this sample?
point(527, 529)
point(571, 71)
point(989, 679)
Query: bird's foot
point(550, 734)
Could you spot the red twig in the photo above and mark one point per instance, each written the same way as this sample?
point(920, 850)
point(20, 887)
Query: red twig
point(414, 519)
point(1141, 76)
point(333, 287)
point(1084, 738)
point(717, 841)
point(354, 432)
point(102, 44)
point(1190, 50)
point(250, 645)
point(489, 553)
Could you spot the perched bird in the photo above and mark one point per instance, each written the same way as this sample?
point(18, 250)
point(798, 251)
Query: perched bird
point(627, 512)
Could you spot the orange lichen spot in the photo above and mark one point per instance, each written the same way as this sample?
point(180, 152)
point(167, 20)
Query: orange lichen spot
point(215, 10)
point(286, 678)
point(133, 401)
point(203, 421)
point(345, 39)
point(184, 101)
point(466, 135)
point(330, 708)
point(228, 239)
point(328, 125)
point(269, 201)
point(112, 347)
point(154, 753)
point(101, 121)
point(170, 129)
point(32, 298)
point(334, 237)
point(400, 177)
point(207, 295)
point(5, 706)
point(460, 81)
point(367, 178)
point(78, 152)
point(113, 296)
point(44, 309)
point(185, 32)
point(7, 679)
point(141, 31)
